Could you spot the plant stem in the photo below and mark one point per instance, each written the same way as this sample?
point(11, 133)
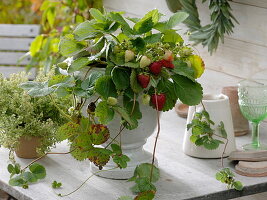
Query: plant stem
point(121, 129)
point(39, 158)
point(86, 181)
point(59, 109)
point(156, 140)
point(203, 105)
point(117, 40)
point(224, 149)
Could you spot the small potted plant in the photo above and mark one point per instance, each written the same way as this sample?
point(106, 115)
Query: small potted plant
point(28, 124)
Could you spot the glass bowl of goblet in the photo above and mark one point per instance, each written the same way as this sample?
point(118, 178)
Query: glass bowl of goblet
point(252, 100)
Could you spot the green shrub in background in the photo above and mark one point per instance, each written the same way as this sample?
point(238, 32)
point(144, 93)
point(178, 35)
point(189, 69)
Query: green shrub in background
point(58, 19)
point(18, 12)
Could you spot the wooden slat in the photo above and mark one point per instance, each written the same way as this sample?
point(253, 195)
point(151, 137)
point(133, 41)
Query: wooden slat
point(19, 30)
point(6, 71)
point(236, 57)
point(258, 3)
point(16, 44)
point(11, 58)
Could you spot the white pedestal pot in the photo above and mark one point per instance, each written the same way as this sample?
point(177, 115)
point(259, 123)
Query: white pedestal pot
point(132, 142)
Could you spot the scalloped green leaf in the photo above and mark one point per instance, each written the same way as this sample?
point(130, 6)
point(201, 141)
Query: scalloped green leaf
point(105, 87)
point(104, 113)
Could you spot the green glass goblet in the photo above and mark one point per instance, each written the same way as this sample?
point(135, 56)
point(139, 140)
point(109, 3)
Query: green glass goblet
point(253, 105)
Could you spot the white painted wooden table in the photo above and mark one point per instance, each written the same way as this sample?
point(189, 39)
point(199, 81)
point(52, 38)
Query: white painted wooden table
point(182, 177)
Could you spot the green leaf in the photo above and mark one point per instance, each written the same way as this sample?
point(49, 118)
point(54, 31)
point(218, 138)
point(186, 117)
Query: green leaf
point(11, 169)
point(121, 160)
point(29, 177)
point(97, 15)
point(138, 43)
point(105, 87)
point(99, 157)
point(56, 184)
point(67, 130)
point(144, 26)
point(124, 114)
point(104, 113)
point(171, 36)
point(143, 170)
point(153, 38)
point(222, 130)
point(211, 144)
point(116, 16)
point(36, 45)
point(176, 19)
point(133, 82)
point(135, 112)
point(182, 68)
point(51, 14)
point(86, 30)
point(145, 185)
point(188, 92)
point(89, 83)
point(17, 181)
point(147, 195)
point(38, 170)
point(116, 149)
point(238, 185)
point(79, 64)
point(125, 198)
point(121, 78)
point(68, 46)
point(37, 89)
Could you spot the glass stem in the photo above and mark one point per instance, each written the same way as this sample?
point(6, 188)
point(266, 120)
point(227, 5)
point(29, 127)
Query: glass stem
point(255, 134)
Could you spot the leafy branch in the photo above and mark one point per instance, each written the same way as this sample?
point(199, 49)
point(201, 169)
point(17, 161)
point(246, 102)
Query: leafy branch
point(221, 23)
point(203, 135)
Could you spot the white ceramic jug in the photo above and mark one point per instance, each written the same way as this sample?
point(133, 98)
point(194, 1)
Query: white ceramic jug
point(219, 110)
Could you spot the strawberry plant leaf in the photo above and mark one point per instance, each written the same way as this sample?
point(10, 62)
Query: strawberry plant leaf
point(187, 91)
point(128, 104)
point(153, 38)
point(143, 26)
point(121, 160)
point(171, 36)
point(104, 113)
point(68, 46)
point(85, 30)
point(148, 195)
point(120, 78)
point(37, 89)
point(97, 15)
point(116, 149)
point(182, 68)
point(133, 82)
point(125, 115)
point(99, 134)
point(89, 83)
point(29, 177)
point(79, 64)
point(98, 157)
point(222, 130)
point(138, 43)
point(67, 130)
point(56, 184)
point(105, 87)
point(143, 171)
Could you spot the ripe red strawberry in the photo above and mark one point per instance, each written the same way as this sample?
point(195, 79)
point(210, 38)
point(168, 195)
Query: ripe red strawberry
point(160, 99)
point(143, 80)
point(167, 64)
point(155, 67)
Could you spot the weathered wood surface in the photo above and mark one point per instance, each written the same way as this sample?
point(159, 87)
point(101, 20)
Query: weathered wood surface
point(15, 44)
point(19, 30)
point(182, 177)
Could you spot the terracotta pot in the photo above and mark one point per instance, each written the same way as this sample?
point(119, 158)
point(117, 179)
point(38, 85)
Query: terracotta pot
point(27, 147)
point(241, 125)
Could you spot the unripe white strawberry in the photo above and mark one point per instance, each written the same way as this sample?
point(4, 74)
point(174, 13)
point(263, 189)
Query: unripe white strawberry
point(129, 55)
point(112, 101)
point(168, 55)
point(145, 99)
point(145, 61)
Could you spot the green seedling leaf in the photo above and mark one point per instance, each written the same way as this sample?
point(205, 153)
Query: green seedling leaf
point(38, 170)
point(148, 195)
point(144, 170)
point(56, 184)
point(121, 160)
point(238, 185)
point(222, 130)
point(116, 149)
point(36, 45)
point(29, 177)
point(144, 185)
point(17, 181)
point(181, 68)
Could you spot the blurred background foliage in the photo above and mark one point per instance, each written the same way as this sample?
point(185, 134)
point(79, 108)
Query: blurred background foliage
point(20, 11)
point(56, 17)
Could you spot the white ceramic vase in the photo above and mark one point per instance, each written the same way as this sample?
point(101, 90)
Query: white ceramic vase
point(132, 144)
point(219, 110)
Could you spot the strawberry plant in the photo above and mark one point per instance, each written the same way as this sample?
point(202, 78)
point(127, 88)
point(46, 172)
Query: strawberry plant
point(112, 62)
